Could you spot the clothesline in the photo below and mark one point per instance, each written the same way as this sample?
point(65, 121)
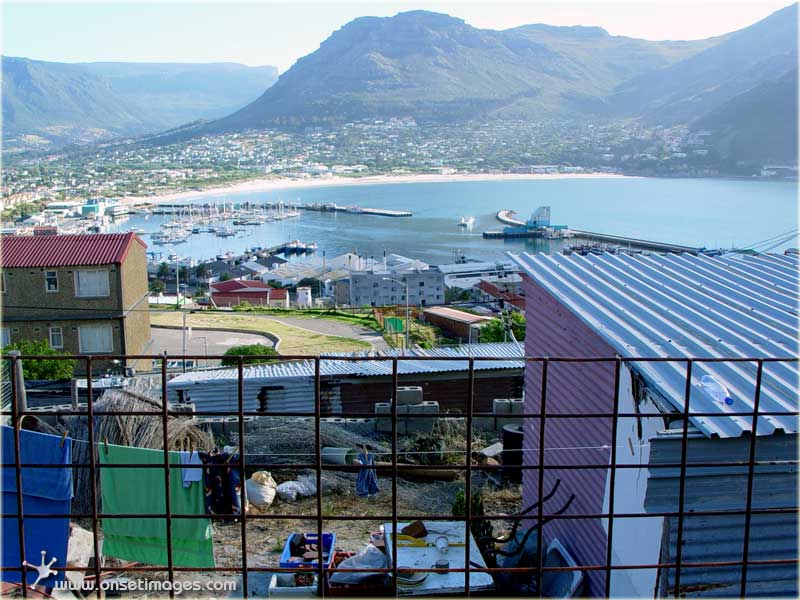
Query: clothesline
point(416, 452)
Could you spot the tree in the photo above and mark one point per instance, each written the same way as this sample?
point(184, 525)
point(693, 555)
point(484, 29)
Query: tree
point(456, 295)
point(495, 330)
point(184, 271)
point(163, 270)
point(201, 271)
point(225, 277)
point(253, 353)
point(313, 283)
point(42, 369)
point(157, 286)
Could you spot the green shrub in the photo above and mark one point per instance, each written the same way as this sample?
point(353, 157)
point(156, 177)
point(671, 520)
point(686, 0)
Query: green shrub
point(42, 369)
point(253, 353)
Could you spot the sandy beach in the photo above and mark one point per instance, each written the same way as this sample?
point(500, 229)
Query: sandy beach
point(286, 183)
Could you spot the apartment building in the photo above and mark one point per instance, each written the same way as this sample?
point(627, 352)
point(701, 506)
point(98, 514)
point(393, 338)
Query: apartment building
point(84, 294)
point(382, 288)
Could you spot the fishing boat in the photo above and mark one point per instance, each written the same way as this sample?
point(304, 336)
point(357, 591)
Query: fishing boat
point(225, 232)
point(466, 222)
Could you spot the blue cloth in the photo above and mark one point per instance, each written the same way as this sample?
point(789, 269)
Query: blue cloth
point(44, 491)
point(367, 480)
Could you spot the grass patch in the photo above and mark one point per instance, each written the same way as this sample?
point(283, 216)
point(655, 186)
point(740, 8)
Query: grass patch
point(363, 319)
point(293, 339)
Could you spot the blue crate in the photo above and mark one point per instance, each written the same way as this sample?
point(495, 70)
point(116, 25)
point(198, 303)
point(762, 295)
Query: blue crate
point(328, 542)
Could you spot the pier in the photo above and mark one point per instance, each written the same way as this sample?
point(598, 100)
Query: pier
point(355, 210)
point(519, 230)
point(507, 216)
point(629, 241)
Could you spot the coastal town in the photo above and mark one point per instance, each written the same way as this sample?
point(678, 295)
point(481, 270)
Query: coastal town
point(397, 147)
point(500, 304)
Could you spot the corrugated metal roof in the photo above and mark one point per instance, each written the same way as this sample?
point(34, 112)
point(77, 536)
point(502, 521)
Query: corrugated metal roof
point(721, 537)
point(456, 315)
point(236, 285)
point(19, 251)
point(510, 352)
point(681, 305)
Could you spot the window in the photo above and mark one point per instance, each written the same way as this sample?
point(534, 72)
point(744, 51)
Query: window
point(51, 282)
point(95, 339)
point(91, 284)
point(56, 337)
point(421, 284)
point(3, 282)
point(5, 334)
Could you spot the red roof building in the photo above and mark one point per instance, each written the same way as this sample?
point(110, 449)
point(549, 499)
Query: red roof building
point(83, 294)
point(257, 293)
point(21, 251)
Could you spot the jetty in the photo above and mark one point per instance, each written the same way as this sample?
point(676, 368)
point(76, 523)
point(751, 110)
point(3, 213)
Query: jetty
point(507, 216)
point(355, 210)
point(638, 243)
point(538, 226)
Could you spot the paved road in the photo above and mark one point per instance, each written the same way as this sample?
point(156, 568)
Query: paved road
point(334, 327)
point(216, 342)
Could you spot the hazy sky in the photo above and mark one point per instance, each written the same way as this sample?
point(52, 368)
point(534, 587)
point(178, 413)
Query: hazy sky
point(279, 32)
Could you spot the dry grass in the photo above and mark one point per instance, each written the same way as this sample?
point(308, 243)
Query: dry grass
point(294, 340)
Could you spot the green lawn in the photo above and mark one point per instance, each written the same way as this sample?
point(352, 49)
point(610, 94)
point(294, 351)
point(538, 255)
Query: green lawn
point(293, 339)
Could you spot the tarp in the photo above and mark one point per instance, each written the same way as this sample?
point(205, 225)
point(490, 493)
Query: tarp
point(44, 491)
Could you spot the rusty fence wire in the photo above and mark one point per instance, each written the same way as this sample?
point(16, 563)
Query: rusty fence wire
point(539, 467)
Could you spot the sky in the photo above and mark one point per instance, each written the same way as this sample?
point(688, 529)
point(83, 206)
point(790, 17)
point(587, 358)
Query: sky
point(278, 32)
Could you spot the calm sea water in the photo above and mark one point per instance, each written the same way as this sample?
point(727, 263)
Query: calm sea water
point(693, 212)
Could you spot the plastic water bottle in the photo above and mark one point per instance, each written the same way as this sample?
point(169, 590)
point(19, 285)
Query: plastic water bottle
point(716, 390)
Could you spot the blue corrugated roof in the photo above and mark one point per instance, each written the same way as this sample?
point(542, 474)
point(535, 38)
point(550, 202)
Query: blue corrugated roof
point(681, 305)
point(407, 365)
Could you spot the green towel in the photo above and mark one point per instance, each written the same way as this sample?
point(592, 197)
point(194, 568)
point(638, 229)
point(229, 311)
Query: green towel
point(142, 490)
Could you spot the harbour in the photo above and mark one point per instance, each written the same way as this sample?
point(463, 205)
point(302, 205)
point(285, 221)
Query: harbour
point(611, 208)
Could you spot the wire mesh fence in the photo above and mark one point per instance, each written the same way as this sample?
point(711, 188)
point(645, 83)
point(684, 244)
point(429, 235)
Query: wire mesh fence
point(533, 466)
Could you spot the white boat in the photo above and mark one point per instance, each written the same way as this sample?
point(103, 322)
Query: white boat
point(466, 222)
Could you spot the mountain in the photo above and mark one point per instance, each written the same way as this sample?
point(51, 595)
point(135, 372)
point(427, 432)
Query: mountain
point(434, 67)
point(758, 126)
point(691, 88)
point(185, 92)
point(62, 102)
point(57, 103)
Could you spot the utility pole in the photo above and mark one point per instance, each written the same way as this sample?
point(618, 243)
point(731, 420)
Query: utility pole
point(177, 282)
point(405, 285)
point(408, 322)
point(183, 352)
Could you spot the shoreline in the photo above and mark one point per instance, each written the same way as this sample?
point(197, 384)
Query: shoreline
point(287, 183)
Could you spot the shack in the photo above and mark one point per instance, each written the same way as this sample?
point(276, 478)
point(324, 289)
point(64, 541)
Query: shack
point(684, 306)
point(348, 387)
point(456, 323)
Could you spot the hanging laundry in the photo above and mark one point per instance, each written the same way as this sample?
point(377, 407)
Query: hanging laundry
point(142, 490)
point(367, 479)
point(192, 474)
point(44, 491)
point(223, 483)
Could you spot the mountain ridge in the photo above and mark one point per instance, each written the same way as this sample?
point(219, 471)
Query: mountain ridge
point(67, 102)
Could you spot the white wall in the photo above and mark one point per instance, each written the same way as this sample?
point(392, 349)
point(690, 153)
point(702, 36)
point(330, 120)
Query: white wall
point(635, 540)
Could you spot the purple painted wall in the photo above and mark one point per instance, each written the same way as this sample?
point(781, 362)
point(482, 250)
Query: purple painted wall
point(572, 388)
